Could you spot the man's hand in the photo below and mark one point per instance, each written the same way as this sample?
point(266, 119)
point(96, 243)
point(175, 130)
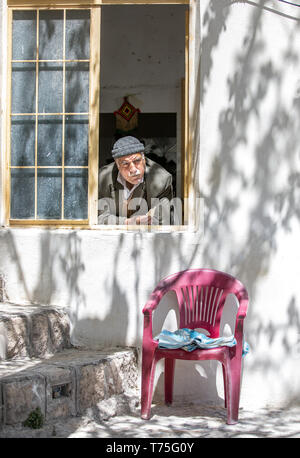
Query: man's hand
point(144, 219)
point(140, 220)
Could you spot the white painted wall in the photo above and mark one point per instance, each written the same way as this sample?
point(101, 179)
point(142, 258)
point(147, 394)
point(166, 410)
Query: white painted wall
point(247, 92)
point(2, 93)
point(250, 176)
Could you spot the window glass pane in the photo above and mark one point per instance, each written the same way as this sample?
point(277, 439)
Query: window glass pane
point(24, 35)
point(51, 35)
point(76, 140)
point(23, 88)
point(76, 193)
point(49, 193)
point(47, 88)
point(77, 34)
point(22, 140)
point(22, 193)
point(77, 87)
point(49, 140)
point(50, 88)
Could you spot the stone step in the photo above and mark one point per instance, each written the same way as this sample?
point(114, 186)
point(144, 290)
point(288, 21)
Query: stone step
point(72, 382)
point(33, 331)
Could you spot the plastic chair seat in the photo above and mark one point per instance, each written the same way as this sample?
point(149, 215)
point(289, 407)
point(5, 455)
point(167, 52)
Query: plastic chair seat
point(219, 354)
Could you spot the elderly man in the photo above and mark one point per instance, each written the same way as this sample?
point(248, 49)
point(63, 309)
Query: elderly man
point(131, 187)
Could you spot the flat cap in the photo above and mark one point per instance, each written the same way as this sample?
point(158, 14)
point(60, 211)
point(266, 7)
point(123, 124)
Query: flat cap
point(127, 145)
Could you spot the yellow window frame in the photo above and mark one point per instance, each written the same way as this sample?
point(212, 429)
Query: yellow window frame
point(94, 92)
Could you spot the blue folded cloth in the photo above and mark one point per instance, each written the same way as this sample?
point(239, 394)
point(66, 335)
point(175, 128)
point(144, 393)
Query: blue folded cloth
point(189, 340)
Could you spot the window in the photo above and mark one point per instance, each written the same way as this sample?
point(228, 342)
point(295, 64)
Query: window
point(53, 117)
point(52, 110)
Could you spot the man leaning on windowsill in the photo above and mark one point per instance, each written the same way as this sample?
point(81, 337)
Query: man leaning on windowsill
point(131, 187)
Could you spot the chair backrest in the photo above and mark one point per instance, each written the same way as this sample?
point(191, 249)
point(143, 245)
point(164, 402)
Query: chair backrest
point(201, 295)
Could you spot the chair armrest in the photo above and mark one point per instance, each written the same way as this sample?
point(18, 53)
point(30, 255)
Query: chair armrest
point(239, 334)
point(149, 307)
point(154, 299)
point(241, 315)
point(243, 304)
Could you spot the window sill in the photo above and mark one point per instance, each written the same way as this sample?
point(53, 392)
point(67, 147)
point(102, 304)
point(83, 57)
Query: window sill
point(144, 228)
point(100, 227)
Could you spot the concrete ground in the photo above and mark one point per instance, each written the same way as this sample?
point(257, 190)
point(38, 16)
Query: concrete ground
point(177, 421)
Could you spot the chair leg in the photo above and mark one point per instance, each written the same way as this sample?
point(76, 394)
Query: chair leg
point(169, 379)
point(233, 384)
point(225, 390)
point(148, 373)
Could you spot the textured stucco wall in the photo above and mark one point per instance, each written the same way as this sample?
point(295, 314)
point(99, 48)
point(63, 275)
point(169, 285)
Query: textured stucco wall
point(1, 93)
point(250, 176)
point(246, 98)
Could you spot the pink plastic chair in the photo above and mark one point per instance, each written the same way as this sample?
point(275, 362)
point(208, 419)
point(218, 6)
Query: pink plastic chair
point(201, 294)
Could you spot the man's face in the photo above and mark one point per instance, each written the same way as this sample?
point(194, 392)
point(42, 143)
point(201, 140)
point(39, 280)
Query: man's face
point(132, 167)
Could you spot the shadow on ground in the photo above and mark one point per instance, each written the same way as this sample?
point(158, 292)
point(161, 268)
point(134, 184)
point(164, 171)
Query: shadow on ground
point(177, 421)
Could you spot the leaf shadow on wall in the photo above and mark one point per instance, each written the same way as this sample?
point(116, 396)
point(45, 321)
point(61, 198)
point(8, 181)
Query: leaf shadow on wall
point(256, 76)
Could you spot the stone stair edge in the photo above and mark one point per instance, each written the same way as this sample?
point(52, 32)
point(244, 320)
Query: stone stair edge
point(70, 357)
point(9, 308)
point(42, 367)
point(93, 376)
point(33, 330)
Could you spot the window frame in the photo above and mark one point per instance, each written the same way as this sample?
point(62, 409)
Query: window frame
point(187, 184)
